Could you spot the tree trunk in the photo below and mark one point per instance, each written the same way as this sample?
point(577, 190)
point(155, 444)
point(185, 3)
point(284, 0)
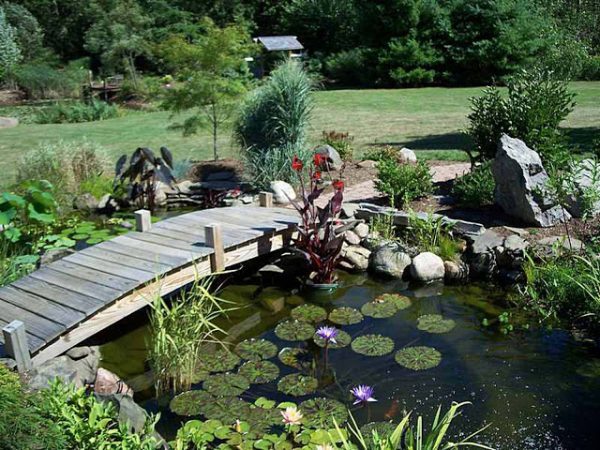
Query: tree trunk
point(132, 70)
point(215, 124)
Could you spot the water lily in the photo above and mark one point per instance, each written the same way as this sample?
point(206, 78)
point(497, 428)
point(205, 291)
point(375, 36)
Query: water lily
point(363, 394)
point(291, 416)
point(328, 334)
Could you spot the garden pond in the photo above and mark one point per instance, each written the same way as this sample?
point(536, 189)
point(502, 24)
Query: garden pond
point(424, 347)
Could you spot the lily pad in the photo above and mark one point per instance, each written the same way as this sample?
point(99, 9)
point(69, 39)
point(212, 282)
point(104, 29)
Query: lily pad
point(373, 345)
point(399, 301)
point(261, 419)
point(226, 384)
point(434, 323)
point(200, 375)
point(297, 384)
point(379, 309)
point(259, 372)
point(297, 358)
point(418, 358)
point(218, 360)
point(225, 409)
point(309, 313)
point(190, 403)
point(294, 330)
point(345, 316)
point(319, 412)
point(256, 349)
point(341, 340)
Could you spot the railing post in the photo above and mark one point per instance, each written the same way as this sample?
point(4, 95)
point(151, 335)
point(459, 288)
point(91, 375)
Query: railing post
point(15, 343)
point(143, 220)
point(265, 199)
point(214, 240)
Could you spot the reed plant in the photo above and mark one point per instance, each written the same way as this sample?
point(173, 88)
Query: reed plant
point(179, 332)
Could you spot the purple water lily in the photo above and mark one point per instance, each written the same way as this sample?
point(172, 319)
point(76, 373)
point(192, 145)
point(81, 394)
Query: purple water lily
point(363, 394)
point(328, 334)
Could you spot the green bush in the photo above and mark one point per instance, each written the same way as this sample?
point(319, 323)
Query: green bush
point(351, 67)
point(475, 188)
point(403, 182)
point(77, 112)
point(342, 142)
point(591, 69)
point(43, 80)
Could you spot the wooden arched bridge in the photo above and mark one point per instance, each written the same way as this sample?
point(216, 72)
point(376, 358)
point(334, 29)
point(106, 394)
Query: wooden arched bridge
point(63, 303)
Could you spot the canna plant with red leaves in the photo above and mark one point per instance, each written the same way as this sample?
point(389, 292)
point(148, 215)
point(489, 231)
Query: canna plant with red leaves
point(316, 239)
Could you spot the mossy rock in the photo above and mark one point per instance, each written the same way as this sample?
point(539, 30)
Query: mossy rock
point(345, 316)
point(225, 409)
point(379, 309)
point(294, 330)
point(226, 384)
point(218, 360)
point(298, 358)
point(399, 301)
point(309, 313)
point(373, 345)
point(297, 384)
point(259, 372)
point(342, 340)
point(418, 358)
point(435, 323)
point(256, 349)
point(189, 403)
point(319, 412)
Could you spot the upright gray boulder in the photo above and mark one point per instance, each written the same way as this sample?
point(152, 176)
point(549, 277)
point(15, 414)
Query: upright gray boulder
point(521, 185)
point(585, 198)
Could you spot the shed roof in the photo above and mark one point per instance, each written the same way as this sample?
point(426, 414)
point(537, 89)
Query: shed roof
point(278, 43)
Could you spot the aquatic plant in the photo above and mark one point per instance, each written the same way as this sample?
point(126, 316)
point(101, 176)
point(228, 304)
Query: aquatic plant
point(418, 358)
point(297, 358)
point(199, 375)
point(379, 309)
point(317, 240)
point(342, 339)
point(399, 301)
point(259, 372)
point(309, 313)
point(435, 323)
point(179, 332)
point(189, 403)
point(297, 384)
point(373, 345)
point(327, 334)
point(291, 416)
point(226, 409)
point(383, 429)
point(294, 330)
point(226, 384)
point(345, 316)
point(219, 359)
point(363, 394)
point(256, 349)
point(321, 412)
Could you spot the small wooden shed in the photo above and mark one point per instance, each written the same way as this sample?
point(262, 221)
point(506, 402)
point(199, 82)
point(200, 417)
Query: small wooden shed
point(274, 48)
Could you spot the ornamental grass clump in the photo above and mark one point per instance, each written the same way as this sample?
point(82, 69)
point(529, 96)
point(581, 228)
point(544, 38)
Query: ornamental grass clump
point(317, 240)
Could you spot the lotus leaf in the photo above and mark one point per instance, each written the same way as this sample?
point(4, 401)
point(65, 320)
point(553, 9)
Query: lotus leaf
point(341, 340)
point(256, 349)
point(379, 309)
point(434, 323)
point(294, 330)
point(309, 313)
point(259, 372)
point(373, 345)
point(345, 316)
point(225, 409)
point(319, 412)
point(190, 403)
point(261, 419)
point(399, 301)
point(297, 358)
point(219, 360)
point(418, 358)
point(200, 375)
point(297, 384)
point(226, 384)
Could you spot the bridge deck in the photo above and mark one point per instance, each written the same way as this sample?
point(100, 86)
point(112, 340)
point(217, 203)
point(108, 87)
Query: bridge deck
point(67, 301)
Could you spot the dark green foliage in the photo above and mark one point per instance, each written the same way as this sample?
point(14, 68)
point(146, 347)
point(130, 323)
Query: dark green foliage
point(259, 372)
point(373, 345)
point(28, 32)
point(77, 112)
point(345, 315)
point(320, 412)
point(256, 349)
point(298, 358)
point(591, 69)
point(410, 62)
point(189, 403)
point(297, 384)
point(41, 79)
point(379, 309)
point(353, 67)
point(294, 330)
point(341, 340)
point(226, 384)
point(403, 182)
point(418, 358)
point(309, 313)
point(435, 323)
point(476, 188)
point(219, 360)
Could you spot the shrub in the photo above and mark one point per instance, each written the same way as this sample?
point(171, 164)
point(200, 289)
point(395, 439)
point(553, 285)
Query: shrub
point(77, 112)
point(378, 153)
point(475, 188)
point(351, 67)
point(342, 142)
point(403, 182)
point(591, 69)
point(42, 80)
point(431, 234)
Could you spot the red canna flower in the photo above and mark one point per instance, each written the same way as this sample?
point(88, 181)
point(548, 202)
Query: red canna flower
point(319, 160)
point(297, 164)
point(317, 175)
point(338, 185)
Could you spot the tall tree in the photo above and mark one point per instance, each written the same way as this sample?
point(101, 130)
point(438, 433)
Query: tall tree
point(10, 54)
point(28, 32)
point(215, 74)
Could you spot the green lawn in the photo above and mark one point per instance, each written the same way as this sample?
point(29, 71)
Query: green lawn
point(429, 120)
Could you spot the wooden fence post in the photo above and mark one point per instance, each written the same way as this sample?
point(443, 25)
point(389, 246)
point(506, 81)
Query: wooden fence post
point(15, 342)
point(215, 240)
point(143, 220)
point(265, 199)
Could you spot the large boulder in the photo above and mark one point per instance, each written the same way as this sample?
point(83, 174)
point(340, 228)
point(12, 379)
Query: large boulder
point(333, 158)
point(481, 254)
point(521, 185)
point(282, 192)
point(85, 202)
point(586, 196)
point(427, 267)
point(355, 258)
point(407, 156)
point(79, 369)
point(389, 260)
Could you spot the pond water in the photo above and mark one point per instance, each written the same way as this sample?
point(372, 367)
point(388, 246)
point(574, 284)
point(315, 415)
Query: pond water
point(539, 389)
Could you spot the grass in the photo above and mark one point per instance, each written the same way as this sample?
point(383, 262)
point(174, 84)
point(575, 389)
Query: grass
point(429, 120)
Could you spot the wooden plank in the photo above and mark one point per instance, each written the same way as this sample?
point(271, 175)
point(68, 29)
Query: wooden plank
point(42, 328)
point(41, 306)
point(163, 245)
point(258, 219)
point(157, 249)
point(75, 284)
point(265, 199)
point(139, 253)
point(213, 238)
point(121, 284)
point(59, 294)
point(232, 234)
point(188, 238)
point(16, 345)
point(107, 254)
point(113, 268)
